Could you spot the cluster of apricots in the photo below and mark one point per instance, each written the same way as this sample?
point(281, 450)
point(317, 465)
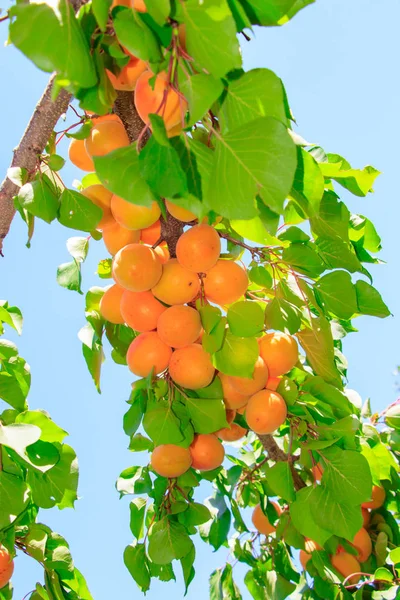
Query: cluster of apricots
point(6, 567)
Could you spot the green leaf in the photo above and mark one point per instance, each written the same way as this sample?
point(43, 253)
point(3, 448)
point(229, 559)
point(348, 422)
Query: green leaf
point(338, 254)
point(273, 12)
point(338, 294)
point(133, 33)
point(161, 425)
point(318, 345)
point(49, 431)
point(104, 268)
point(159, 10)
point(218, 529)
point(134, 480)
point(78, 248)
point(201, 91)
point(196, 514)
point(364, 232)
point(256, 158)
point(100, 10)
point(280, 478)
point(94, 358)
point(39, 198)
point(138, 509)
point(211, 35)
point(14, 497)
point(168, 540)
point(256, 230)
point(303, 517)
point(346, 475)
point(210, 317)
point(136, 562)
point(11, 315)
point(55, 162)
point(207, 415)
point(282, 316)
point(119, 172)
point(304, 259)
point(139, 443)
point(78, 212)
point(18, 175)
point(237, 356)
point(358, 182)
point(370, 301)
point(15, 380)
point(187, 567)
point(260, 276)
point(69, 276)
point(18, 436)
point(245, 318)
point(308, 183)
point(341, 519)
point(36, 541)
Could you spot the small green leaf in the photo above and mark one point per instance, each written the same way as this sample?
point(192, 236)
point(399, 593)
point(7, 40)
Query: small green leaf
point(245, 318)
point(161, 425)
point(201, 91)
point(339, 518)
point(370, 301)
point(207, 415)
point(55, 162)
point(318, 344)
point(138, 509)
point(196, 514)
point(69, 276)
point(347, 475)
point(78, 212)
point(304, 519)
point(282, 316)
point(304, 259)
point(237, 356)
point(78, 248)
point(338, 294)
point(137, 564)
point(104, 268)
point(133, 33)
point(168, 540)
point(40, 199)
point(14, 497)
point(100, 10)
point(280, 478)
point(260, 276)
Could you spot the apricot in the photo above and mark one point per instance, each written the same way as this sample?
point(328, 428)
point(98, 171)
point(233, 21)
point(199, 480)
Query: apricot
point(225, 283)
point(110, 305)
point(136, 267)
point(182, 214)
point(116, 237)
point(378, 498)
point(305, 555)
point(198, 249)
point(232, 398)
point(279, 351)
point(169, 460)
point(233, 433)
point(261, 522)
point(147, 353)
point(101, 198)
point(101, 118)
point(191, 367)
point(363, 544)
point(139, 5)
point(207, 452)
point(105, 137)
point(265, 412)
point(346, 564)
point(78, 155)
point(150, 235)
point(128, 76)
point(248, 387)
point(6, 566)
point(230, 415)
point(162, 253)
point(177, 284)
point(140, 310)
point(241, 410)
point(159, 99)
point(366, 517)
point(317, 471)
point(133, 216)
point(273, 383)
point(179, 326)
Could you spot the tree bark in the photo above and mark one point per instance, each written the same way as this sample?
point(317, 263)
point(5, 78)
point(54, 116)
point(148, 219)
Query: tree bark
point(278, 455)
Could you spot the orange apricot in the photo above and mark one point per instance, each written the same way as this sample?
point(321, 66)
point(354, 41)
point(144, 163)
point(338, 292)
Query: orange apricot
point(133, 216)
point(249, 386)
point(169, 460)
point(279, 351)
point(366, 516)
point(141, 310)
point(207, 452)
point(266, 411)
point(377, 498)
point(105, 137)
point(225, 283)
point(273, 383)
point(110, 305)
point(101, 118)
point(305, 555)
point(136, 267)
point(346, 564)
point(139, 5)
point(241, 410)
point(191, 367)
point(179, 326)
point(101, 197)
point(232, 398)
point(6, 566)
point(198, 249)
point(147, 353)
point(232, 433)
point(128, 76)
point(177, 284)
point(261, 521)
point(159, 99)
point(162, 253)
point(78, 155)
point(116, 237)
point(230, 415)
point(182, 214)
point(363, 544)
point(150, 235)
point(317, 471)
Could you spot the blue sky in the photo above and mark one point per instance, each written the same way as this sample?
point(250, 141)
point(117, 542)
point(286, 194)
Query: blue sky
point(338, 60)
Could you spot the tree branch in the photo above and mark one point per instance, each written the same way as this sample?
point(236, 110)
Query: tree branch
point(277, 455)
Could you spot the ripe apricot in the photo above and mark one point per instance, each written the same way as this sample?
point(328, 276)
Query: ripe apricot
point(148, 353)
point(232, 398)
point(305, 555)
point(261, 522)
point(182, 214)
point(150, 235)
point(265, 412)
point(191, 367)
point(78, 155)
point(110, 305)
point(233, 433)
point(101, 198)
point(225, 283)
point(248, 387)
point(241, 410)
point(230, 415)
point(177, 284)
point(198, 249)
point(378, 498)
point(159, 99)
point(133, 216)
point(207, 452)
point(317, 471)
point(139, 5)
point(116, 237)
point(136, 267)
point(169, 460)
point(101, 118)
point(273, 383)
point(140, 310)
point(162, 253)
point(363, 544)
point(128, 76)
point(346, 564)
point(6, 566)
point(279, 351)
point(366, 517)
point(105, 137)
point(179, 326)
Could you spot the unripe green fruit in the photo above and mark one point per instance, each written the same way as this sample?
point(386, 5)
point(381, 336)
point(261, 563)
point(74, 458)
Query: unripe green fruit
point(288, 390)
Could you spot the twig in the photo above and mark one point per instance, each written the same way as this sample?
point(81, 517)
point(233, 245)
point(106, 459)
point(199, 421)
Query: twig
point(277, 455)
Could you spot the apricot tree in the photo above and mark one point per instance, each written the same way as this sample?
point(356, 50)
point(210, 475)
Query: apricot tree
point(235, 274)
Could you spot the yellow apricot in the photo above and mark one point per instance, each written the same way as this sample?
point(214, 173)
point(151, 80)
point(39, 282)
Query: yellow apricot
point(363, 544)
point(6, 567)
point(159, 99)
point(140, 310)
point(346, 564)
point(207, 452)
point(110, 305)
point(179, 326)
point(378, 498)
point(128, 76)
point(101, 198)
point(139, 5)
point(177, 284)
point(273, 383)
point(162, 253)
point(198, 249)
point(232, 433)
point(182, 214)
point(133, 216)
point(225, 283)
point(169, 460)
point(191, 367)
point(248, 387)
point(279, 351)
point(78, 155)
point(261, 521)
point(150, 235)
point(232, 398)
point(116, 237)
point(136, 267)
point(105, 137)
point(147, 353)
point(265, 412)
